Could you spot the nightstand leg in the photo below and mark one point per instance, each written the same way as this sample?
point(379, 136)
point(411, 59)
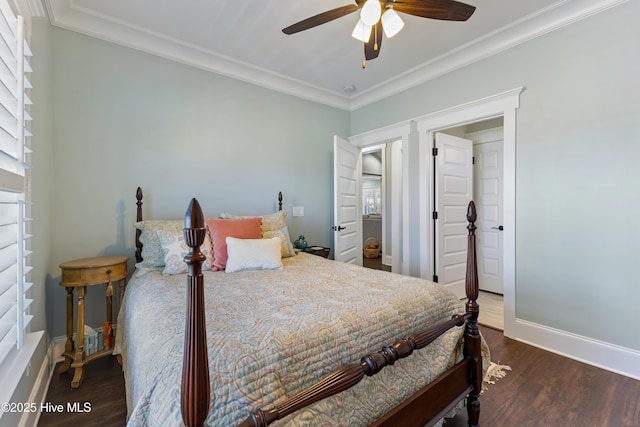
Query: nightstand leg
point(78, 360)
point(78, 377)
point(121, 285)
point(68, 345)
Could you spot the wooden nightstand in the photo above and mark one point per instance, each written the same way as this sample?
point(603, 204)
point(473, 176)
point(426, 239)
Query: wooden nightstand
point(78, 274)
point(317, 250)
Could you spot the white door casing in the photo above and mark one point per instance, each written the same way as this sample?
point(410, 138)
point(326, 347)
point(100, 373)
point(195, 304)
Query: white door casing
point(347, 194)
point(488, 199)
point(453, 191)
point(396, 135)
point(394, 150)
point(503, 104)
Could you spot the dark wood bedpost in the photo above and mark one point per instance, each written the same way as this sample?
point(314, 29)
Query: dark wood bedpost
point(194, 397)
point(472, 340)
point(138, 219)
point(280, 201)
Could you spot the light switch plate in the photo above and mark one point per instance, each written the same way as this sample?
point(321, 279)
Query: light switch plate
point(298, 211)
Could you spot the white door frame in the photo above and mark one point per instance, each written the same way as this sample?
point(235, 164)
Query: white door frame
point(504, 104)
point(396, 132)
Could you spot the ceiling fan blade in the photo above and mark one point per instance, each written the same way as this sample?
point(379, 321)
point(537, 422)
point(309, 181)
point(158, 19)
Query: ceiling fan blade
point(372, 47)
point(321, 18)
point(446, 10)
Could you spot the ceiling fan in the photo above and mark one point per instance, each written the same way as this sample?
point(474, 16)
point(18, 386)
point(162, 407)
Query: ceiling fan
point(379, 15)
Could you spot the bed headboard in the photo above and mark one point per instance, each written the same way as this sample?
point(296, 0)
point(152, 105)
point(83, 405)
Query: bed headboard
point(139, 218)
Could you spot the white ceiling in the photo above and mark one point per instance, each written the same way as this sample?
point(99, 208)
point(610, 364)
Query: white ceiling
point(243, 39)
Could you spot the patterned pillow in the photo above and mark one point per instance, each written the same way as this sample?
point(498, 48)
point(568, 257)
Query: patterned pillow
point(219, 229)
point(253, 254)
point(152, 254)
point(286, 247)
point(270, 222)
point(175, 248)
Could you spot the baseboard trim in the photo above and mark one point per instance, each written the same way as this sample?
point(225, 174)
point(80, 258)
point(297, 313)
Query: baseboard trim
point(57, 348)
point(38, 394)
point(387, 260)
point(611, 357)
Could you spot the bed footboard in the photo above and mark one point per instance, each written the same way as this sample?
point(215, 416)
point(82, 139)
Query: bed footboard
point(194, 395)
point(349, 375)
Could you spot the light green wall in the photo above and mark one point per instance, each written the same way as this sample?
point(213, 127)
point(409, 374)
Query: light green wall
point(123, 118)
point(577, 174)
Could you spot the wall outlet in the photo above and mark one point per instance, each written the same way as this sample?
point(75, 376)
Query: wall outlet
point(298, 211)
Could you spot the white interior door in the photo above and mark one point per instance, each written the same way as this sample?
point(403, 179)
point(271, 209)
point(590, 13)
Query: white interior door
point(454, 190)
point(488, 200)
point(347, 190)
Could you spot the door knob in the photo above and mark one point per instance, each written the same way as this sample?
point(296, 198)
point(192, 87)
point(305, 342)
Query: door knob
point(338, 228)
point(498, 228)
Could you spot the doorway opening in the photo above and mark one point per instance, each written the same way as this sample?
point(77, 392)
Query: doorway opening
point(485, 145)
point(374, 218)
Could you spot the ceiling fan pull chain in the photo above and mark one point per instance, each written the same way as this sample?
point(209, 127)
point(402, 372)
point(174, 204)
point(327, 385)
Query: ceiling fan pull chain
point(364, 60)
point(375, 35)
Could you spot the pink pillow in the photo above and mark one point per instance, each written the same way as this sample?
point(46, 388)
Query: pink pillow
point(219, 229)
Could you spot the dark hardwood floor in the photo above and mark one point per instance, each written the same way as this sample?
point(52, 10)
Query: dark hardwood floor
point(543, 389)
point(102, 388)
point(375, 263)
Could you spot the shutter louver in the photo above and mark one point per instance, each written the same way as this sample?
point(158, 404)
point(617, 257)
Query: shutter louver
point(14, 164)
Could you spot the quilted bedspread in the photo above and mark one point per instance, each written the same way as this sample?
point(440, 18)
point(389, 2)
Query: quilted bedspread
point(273, 333)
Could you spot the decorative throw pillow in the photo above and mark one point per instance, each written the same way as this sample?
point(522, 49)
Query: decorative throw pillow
point(274, 224)
point(286, 247)
point(152, 253)
point(175, 249)
point(270, 222)
point(219, 229)
point(253, 254)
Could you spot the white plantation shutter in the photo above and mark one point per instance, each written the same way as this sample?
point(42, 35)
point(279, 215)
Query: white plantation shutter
point(14, 174)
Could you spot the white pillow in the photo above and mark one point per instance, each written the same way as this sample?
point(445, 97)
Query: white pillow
point(253, 254)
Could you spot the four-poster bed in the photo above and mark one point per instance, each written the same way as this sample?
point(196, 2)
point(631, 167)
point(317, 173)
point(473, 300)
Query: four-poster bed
point(452, 329)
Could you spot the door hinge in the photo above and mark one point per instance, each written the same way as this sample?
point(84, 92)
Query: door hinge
point(434, 151)
point(435, 278)
point(473, 160)
point(435, 215)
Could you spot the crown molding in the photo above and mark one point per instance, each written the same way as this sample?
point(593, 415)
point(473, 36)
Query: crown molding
point(31, 8)
point(67, 14)
point(556, 16)
point(36, 8)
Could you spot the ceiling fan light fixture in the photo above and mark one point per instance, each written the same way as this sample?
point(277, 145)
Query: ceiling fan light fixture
point(391, 23)
point(361, 31)
point(370, 13)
